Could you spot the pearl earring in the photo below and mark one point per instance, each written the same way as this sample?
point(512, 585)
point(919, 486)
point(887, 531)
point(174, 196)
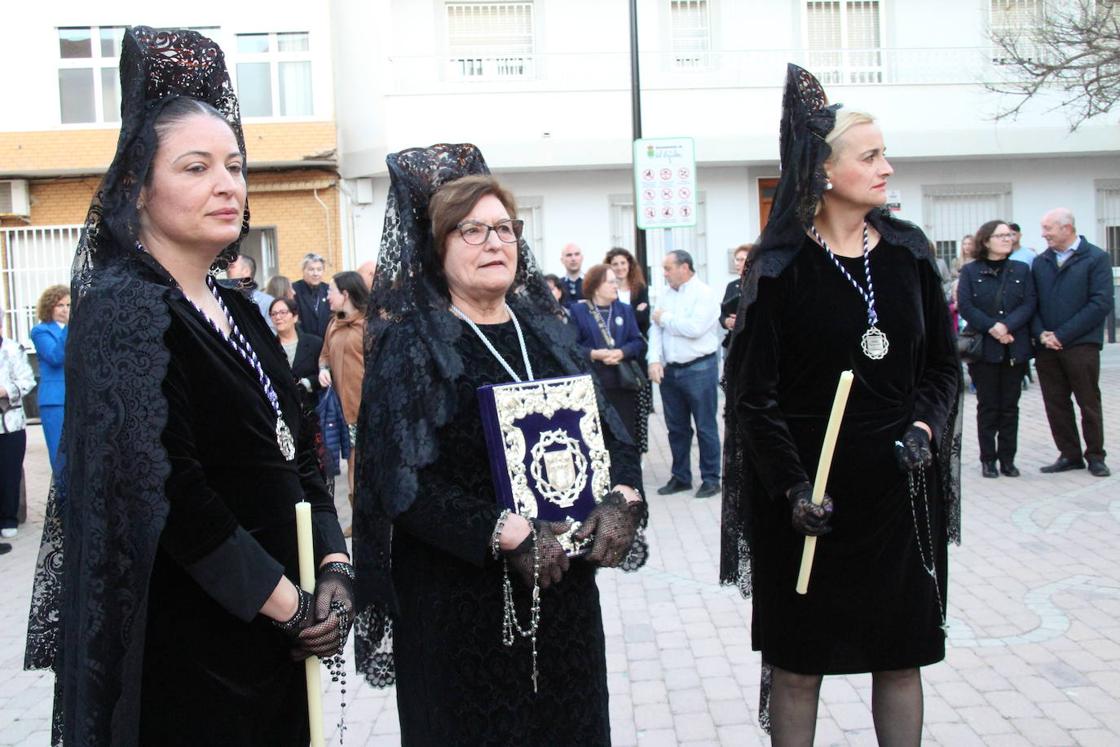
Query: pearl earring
point(827, 185)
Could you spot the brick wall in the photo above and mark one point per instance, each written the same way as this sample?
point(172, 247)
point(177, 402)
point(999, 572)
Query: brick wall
point(282, 200)
point(91, 150)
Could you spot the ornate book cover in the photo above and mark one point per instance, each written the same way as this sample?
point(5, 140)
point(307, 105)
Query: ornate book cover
point(547, 454)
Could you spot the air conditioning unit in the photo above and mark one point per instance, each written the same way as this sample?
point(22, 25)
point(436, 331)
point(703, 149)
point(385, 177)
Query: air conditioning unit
point(14, 198)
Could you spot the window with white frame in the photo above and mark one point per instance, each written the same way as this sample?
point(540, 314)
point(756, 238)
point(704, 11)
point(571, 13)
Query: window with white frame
point(1015, 16)
point(531, 211)
point(844, 40)
point(952, 211)
point(89, 88)
point(274, 74)
point(1108, 216)
point(690, 34)
point(488, 40)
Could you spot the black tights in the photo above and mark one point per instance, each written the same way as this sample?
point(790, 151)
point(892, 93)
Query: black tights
point(896, 708)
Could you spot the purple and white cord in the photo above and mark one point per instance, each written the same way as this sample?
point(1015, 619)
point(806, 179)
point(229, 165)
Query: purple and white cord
point(873, 342)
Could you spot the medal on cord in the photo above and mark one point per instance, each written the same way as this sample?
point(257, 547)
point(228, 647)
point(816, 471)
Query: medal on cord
point(874, 342)
point(238, 342)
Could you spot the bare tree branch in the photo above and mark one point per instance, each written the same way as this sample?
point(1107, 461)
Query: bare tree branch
point(1074, 50)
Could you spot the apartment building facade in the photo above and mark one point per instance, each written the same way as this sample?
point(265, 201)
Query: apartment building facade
point(59, 127)
point(543, 88)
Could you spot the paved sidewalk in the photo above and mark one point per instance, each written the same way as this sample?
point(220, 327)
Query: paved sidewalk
point(1034, 606)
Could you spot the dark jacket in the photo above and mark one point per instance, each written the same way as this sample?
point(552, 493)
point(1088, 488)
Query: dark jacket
point(642, 315)
point(314, 311)
point(729, 306)
point(976, 301)
point(306, 364)
point(1074, 299)
point(625, 334)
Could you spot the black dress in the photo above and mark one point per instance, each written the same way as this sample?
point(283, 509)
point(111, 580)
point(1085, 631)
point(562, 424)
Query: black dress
point(870, 605)
point(456, 683)
point(215, 671)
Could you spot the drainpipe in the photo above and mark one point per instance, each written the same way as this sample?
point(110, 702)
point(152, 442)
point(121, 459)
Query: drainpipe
point(327, 220)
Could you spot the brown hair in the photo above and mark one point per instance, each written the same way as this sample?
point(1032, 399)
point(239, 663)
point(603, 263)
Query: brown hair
point(447, 208)
point(455, 200)
point(635, 278)
point(982, 236)
point(289, 304)
point(51, 298)
point(595, 276)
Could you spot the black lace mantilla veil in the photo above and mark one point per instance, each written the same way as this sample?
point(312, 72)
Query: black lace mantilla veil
point(409, 393)
point(89, 603)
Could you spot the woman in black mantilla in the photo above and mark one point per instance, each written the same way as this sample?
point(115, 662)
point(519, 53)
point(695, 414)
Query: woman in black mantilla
point(459, 303)
point(837, 284)
point(186, 449)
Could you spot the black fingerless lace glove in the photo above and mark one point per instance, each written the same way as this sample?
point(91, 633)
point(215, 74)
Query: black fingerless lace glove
point(613, 523)
point(549, 553)
point(324, 628)
point(913, 451)
point(807, 517)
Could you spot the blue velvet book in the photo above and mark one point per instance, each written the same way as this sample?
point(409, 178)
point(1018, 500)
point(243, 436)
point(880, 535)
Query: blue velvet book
point(548, 459)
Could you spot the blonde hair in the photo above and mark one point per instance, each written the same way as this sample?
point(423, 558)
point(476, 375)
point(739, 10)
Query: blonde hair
point(846, 119)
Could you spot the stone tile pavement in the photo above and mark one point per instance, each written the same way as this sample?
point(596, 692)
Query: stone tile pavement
point(1034, 606)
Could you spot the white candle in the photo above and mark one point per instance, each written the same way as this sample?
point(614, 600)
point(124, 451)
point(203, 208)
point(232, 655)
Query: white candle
point(306, 547)
point(831, 433)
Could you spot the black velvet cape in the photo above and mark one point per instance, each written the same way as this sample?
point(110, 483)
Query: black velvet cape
point(177, 519)
point(870, 604)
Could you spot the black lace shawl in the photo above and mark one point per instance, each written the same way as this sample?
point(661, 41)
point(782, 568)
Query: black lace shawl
point(408, 392)
point(107, 509)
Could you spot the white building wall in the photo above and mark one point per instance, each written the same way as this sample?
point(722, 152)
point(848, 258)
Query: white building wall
point(29, 45)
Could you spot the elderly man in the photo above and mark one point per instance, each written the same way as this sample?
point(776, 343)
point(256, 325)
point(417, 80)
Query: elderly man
point(1073, 279)
point(683, 340)
point(244, 268)
point(311, 296)
point(572, 258)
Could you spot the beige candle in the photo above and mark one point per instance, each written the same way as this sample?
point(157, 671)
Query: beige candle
point(307, 582)
point(832, 431)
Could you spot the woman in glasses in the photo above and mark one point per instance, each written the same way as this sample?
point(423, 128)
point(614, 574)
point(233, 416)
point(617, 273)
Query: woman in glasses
point(996, 296)
point(301, 348)
point(457, 304)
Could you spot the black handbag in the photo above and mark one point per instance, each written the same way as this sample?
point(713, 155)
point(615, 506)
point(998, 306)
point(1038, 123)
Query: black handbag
point(970, 345)
point(630, 374)
point(970, 342)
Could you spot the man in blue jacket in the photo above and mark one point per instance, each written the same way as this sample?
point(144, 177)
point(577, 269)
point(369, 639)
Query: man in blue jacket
point(1073, 279)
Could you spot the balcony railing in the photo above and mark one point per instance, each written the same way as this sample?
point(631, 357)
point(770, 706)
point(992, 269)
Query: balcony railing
point(668, 70)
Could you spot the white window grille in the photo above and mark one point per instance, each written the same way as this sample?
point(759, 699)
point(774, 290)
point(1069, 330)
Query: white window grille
point(661, 241)
point(1015, 16)
point(690, 34)
point(89, 88)
point(531, 211)
point(844, 40)
point(953, 211)
point(487, 41)
point(274, 74)
point(31, 259)
point(1108, 217)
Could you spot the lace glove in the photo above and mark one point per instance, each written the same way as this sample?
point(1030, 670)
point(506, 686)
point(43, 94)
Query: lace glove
point(913, 451)
point(613, 523)
point(808, 518)
point(303, 617)
point(553, 559)
point(332, 613)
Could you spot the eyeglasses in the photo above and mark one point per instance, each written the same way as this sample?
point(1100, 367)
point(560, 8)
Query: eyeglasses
point(279, 313)
point(476, 234)
point(1003, 235)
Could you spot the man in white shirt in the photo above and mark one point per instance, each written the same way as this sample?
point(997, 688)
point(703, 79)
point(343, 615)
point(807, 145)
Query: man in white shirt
point(683, 341)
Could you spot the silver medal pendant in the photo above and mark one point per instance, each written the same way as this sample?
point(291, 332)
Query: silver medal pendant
point(284, 439)
point(874, 343)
